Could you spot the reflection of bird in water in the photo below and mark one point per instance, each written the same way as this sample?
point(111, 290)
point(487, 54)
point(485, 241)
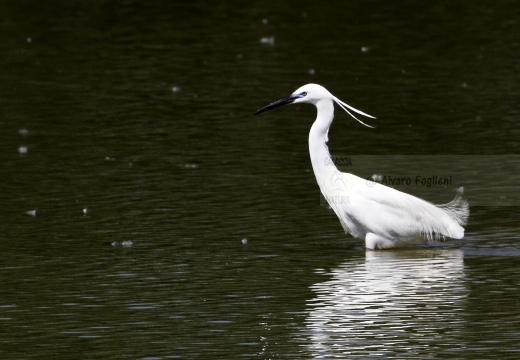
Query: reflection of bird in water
point(382, 216)
point(391, 304)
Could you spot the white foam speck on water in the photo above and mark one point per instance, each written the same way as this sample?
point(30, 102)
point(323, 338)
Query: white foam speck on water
point(126, 243)
point(268, 40)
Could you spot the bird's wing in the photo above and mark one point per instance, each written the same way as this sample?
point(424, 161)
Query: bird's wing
point(388, 212)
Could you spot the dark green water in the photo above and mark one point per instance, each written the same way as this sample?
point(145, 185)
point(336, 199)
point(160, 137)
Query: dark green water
point(133, 171)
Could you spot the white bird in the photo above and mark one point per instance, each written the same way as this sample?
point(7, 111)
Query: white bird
point(384, 217)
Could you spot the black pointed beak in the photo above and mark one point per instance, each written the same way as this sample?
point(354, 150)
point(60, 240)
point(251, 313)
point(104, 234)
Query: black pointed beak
point(280, 102)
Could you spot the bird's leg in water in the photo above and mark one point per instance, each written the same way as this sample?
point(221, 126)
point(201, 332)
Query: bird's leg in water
point(372, 242)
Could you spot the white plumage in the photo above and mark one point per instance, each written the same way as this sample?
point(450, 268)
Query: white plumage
point(382, 216)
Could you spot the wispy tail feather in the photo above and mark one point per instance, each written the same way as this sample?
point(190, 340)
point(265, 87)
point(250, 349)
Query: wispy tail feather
point(458, 208)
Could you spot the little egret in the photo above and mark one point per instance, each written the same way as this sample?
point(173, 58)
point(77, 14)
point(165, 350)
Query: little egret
point(383, 216)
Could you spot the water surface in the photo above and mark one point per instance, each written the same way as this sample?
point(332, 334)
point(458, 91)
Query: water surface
point(146, 213)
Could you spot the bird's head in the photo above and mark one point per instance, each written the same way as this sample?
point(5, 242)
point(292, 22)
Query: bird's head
point(312, 94)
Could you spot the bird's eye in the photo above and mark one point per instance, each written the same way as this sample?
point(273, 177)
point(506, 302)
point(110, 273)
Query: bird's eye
point(303, 93)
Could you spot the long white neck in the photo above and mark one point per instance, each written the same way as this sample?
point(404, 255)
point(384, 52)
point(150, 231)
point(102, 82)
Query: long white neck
point(318, 137)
